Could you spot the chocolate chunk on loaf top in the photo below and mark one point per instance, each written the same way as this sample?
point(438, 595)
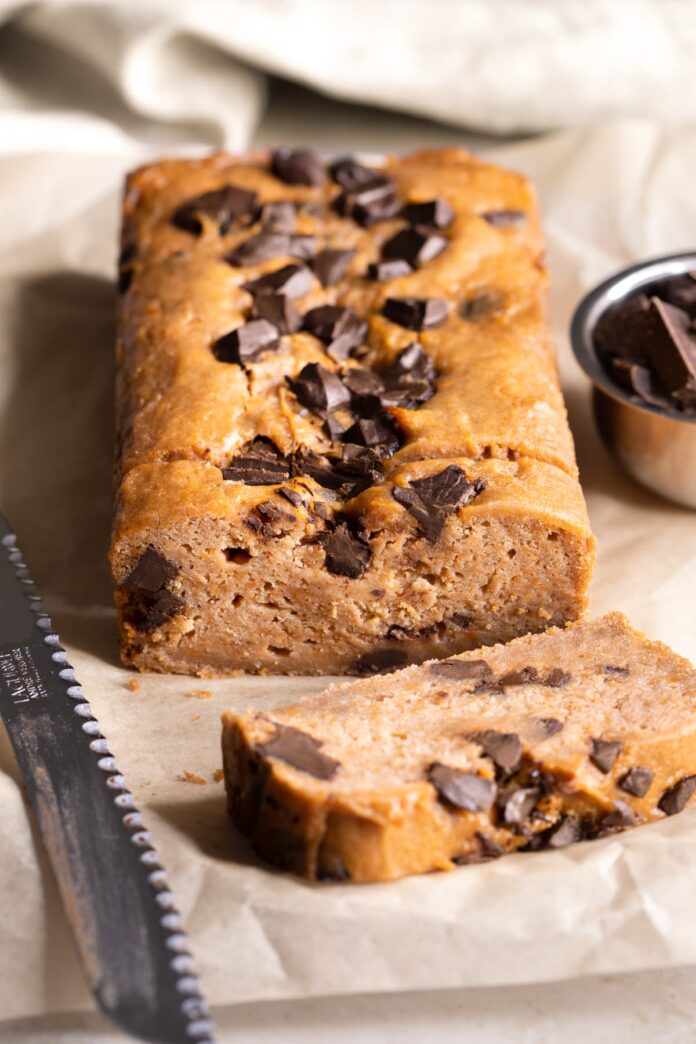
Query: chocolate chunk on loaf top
point(340, 423)
point(552, 739)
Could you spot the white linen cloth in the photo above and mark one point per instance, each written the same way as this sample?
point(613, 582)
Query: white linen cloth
point(78, 75)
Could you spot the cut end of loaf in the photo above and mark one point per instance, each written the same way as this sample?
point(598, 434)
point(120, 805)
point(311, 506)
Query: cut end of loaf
point(220, 596)
point(552, 739)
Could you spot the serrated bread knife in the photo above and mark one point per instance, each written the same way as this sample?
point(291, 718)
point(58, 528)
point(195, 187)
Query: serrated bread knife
point(113, 887)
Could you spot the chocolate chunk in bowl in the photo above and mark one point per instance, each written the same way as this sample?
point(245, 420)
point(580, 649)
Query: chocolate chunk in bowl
point(634, 337)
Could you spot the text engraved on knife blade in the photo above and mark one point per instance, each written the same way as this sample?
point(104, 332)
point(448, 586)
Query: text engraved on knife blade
point(20, 676)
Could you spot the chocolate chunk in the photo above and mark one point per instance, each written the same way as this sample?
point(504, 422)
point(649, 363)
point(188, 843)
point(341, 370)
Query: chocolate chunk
point(459, 670)
point(333, 427)
point(612, 669)
point(260, 247)
point(557, 678)
point(461, 620)
point(621, 817)
point(326, 321)
point(368, 203)
point(295, 497)
point(346, 552)
point(435, 213)
point(624, 327)
point(269, 519)
point(164, 606)
point(505, 218)
point(151, 572)
point(489, 848)
point(412, 363)
point(271, 512)
point(363, 382)
point(380, 660)
point(369, 405)
point(637, 780)
point(260, 464)
point(319, 389)
point(675, 798)
point(518, 802)
point(149, 604)
point(416, 313)
point(265, 245)
point(301, 751)
point(341, 330)
point(321, 511)
point(395, 633)
point(648, 347)
point(350, 174)
point(604, 753)
point(330, 265)
point(433, 499)
point(297, 167)
point(566, 832)
point(383, 271)
point(290, 280)
point(146, 611)
point(503, 748)
point(464, 790)
point(408, 395)
point(638, 379)
point(550, 726)
point(302, 247)
point(376, 432)
point(521, 676)
point(247, 343)
point(358, 469)
point(279, 217)
point(409, 381)
point(672, 350)
point(278, 310)
point(224, 205)
point(415, 246)
point(485, 302)
point(680, 291)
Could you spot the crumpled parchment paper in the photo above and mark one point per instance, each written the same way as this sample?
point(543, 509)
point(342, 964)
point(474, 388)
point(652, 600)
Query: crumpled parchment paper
point(610, 196)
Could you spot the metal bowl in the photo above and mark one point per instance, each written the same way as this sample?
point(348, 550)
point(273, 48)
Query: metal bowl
point(656, 447)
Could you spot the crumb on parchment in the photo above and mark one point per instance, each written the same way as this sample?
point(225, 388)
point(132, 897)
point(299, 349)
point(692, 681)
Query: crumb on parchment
point(133, 684)
point(201, 694)
point(218, 775)
point(196, 717)
point(192, 777)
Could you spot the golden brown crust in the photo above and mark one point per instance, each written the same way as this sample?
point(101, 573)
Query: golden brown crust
point(380, 817)
point(183, 415)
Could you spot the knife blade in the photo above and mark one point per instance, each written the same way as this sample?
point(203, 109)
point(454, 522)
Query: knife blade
point(114, 889)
